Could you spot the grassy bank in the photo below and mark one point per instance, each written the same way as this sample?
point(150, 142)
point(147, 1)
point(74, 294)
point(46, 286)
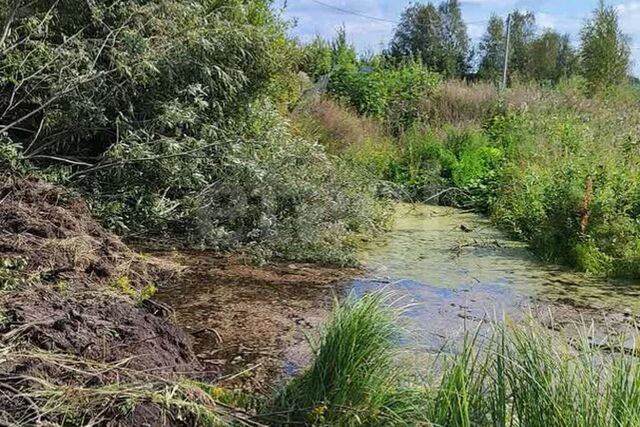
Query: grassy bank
point(515, 376)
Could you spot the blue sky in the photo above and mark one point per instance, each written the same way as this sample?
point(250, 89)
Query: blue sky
point(566, 16)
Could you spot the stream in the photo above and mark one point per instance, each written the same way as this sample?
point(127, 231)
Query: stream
point(453, 269)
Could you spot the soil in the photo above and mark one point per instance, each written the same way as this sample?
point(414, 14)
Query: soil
point(58, 267)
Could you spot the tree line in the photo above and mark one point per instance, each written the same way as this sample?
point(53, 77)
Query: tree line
point(437, 36)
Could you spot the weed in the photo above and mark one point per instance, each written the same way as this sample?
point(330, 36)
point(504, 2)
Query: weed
point(12, 273)
point(123, 285)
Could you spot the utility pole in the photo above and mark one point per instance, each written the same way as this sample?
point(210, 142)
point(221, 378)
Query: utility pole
point(506, 54)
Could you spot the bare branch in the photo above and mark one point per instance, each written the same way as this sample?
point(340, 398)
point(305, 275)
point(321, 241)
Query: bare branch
point(59, 159)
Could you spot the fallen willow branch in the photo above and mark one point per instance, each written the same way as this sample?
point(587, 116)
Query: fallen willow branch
point(446, 190)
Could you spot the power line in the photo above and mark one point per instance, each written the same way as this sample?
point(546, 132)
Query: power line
point(376, 18)
point(353, 12)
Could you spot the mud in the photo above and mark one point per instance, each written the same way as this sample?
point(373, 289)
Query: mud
point(58, 267)
point(248, 321)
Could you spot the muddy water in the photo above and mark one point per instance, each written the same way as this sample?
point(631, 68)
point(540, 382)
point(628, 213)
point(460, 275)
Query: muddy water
point(249, 323)
point(454, 269)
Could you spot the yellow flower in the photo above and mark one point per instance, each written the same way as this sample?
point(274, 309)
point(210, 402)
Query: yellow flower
point(216, 392)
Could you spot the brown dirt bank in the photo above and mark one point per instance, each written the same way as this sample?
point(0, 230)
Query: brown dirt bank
point(78, 340)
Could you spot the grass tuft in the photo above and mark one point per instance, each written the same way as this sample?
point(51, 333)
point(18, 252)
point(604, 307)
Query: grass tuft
point(353, 379)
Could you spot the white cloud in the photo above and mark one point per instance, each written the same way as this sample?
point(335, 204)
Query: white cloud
point(490, 2)
point(630, 18)
point(545, 20)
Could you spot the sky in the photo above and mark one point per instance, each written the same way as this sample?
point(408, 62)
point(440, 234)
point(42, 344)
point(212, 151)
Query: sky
point(373, 32)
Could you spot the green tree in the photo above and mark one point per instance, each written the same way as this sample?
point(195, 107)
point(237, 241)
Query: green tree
point(492, 46)
point(522, 35)
point(317, 58)
point(342, 53)
point(492, 50)
point(419, 35)
point(455, 38)
point(436, 36)
point(551, 57)
point(604, 50)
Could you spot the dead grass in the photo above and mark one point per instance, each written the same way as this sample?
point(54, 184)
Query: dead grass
point(85, 392)
point(460, 103)
point(334, 125)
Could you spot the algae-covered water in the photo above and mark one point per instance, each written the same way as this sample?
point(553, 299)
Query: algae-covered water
point(455, 269)
point(453, 249)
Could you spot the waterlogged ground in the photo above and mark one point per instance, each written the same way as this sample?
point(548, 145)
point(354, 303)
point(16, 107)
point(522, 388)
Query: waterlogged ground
point(249, 322)
point(452, 268)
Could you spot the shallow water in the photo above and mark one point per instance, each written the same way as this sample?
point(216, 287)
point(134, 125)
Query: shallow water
point(455, 269)
point(428, 245)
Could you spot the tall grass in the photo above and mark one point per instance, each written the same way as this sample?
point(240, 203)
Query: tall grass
point(353, 379)
point(335, 125)
point(516, 375)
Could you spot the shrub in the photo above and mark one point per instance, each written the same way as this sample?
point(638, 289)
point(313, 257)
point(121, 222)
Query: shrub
point(406, 86)
point(158, 112)
point(422, 163)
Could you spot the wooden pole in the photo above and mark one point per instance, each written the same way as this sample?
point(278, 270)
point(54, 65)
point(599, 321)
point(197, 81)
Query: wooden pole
point(506, 54)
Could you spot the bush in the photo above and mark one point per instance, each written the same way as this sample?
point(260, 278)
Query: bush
point(263, 190)
point(392, 94)
point(159, 113)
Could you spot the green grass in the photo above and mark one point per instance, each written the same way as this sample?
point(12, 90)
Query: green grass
point(353, 379)
point(516, 375)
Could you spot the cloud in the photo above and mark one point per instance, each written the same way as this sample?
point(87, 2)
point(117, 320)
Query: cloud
point(490, 2)
point(629, 18)
point(545, 20)
point(365, 33)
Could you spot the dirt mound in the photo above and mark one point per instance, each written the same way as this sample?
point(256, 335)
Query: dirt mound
point(53, 231)
point(69, 287)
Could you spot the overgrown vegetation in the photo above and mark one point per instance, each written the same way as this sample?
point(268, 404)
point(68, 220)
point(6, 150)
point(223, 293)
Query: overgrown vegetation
point(202, 122)
point(556, 169)
point(172, 118)
point(168, 116)
point(552, 158)
point(517, 375)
